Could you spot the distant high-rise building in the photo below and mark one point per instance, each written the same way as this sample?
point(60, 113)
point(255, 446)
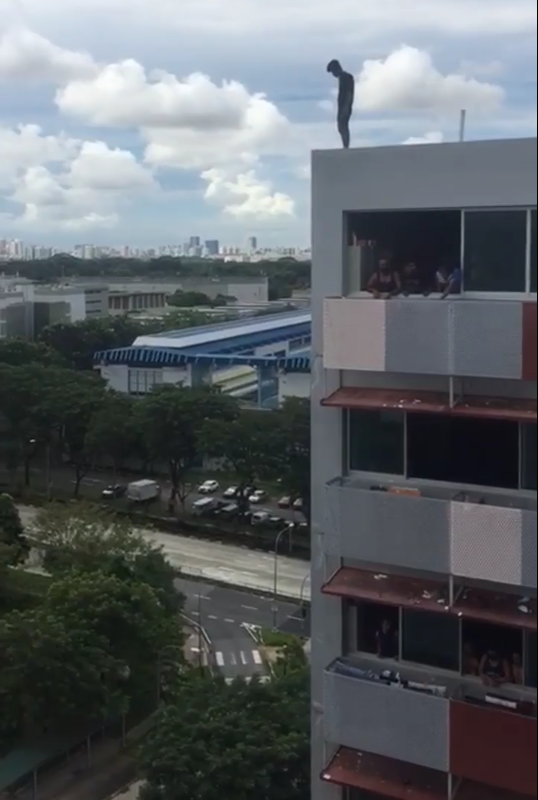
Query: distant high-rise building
point(194, 242)
point(212, 247)
point(252, 243)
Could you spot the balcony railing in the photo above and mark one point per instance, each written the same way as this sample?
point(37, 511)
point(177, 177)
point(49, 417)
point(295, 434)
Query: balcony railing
point(485, 535)
point(446, 724)
point(458, 337)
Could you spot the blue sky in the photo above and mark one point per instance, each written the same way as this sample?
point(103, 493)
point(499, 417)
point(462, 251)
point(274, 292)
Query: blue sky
point(116, 126)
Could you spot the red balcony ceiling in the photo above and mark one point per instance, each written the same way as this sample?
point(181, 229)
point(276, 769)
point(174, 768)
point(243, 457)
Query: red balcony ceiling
point(530, 349)
point(376, 587)
point(497, 608)
point(418, 402)
point(385, 777)
point(469, 790)
point(493, 747)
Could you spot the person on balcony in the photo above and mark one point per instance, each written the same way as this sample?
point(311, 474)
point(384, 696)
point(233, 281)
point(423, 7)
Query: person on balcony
point(518, 673)
point(471, 662)
point(412, 283)
point(385, 282)
point(449, 280)
point(387, 640)
point(494, 669)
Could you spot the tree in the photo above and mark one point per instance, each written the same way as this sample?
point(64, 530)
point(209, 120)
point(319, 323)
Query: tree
point(18, 353)
point(172, 419)
point(247, 443)
point(242, 741)
point(111, 431)
point(13, 545)
point(293, 450)
point(46, 659)
point(89, 540)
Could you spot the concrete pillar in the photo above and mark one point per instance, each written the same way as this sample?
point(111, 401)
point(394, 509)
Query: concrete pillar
point(201, 375)
point(267, 387)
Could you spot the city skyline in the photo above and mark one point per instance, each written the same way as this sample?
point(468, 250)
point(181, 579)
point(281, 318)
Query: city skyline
point(113, 143)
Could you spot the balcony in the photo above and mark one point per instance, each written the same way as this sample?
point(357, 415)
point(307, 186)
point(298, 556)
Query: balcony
point(365, 713)
point(385, 776)
point(489, 536)
point(494, 746)
point(459, 337)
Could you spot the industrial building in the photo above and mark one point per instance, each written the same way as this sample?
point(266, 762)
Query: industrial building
point(424, 562)
point(262, 359)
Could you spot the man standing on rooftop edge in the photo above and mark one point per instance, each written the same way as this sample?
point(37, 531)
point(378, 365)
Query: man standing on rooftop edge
point(346, 97)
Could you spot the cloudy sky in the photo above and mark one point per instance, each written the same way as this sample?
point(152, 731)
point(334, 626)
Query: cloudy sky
point(147, 121)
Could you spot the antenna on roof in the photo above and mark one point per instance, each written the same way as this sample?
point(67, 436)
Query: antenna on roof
point(463, 122)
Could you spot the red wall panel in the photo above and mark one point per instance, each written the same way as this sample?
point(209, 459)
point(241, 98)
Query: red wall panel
point(493, 747)
point(530, 333)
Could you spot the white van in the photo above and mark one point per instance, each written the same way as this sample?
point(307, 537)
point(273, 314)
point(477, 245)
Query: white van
point(204, 506)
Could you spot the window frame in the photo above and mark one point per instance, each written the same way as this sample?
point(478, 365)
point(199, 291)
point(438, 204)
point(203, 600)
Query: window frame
point(489, 295)
point(470, 295)
point(391, 478)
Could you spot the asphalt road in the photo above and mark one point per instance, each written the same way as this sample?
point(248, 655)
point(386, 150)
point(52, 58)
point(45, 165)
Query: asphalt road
point(227, 564)
point(225, 615)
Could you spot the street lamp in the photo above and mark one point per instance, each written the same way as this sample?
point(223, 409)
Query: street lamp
point(302, 598)
point(289, 527)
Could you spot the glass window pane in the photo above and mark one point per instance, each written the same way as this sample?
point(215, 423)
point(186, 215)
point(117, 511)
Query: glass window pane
point(376, 441)
point(463, 451)
point(432, 639)
point(530, 478)
point(534, 268)
point(495, 251)
point(530, 667)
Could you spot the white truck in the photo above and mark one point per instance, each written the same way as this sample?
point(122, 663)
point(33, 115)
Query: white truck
point(143, 491)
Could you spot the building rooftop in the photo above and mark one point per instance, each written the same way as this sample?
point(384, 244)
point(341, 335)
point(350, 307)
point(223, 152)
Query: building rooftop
point(222, 343)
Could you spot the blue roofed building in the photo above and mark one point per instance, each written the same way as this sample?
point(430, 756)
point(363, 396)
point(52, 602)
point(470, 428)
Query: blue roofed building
point(261, 359)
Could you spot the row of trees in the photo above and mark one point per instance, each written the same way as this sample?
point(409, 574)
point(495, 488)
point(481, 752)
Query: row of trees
point(284, 275)
point(68, 417)
point(88, 646)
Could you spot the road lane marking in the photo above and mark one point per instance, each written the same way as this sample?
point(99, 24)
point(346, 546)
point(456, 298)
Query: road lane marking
point(195, 613)
point(220, 659)
point(257, 657)
point(231, 621)
point(244, 659)
point(233, 659)
point(210, 616)
point(250, 608)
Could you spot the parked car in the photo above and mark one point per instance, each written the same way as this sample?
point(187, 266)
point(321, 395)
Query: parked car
point(260, 518)
point(209, 487)
point(229, 511)
point(277, 522)
point(284, 502)
point(202, 508)
point(114, 492)
point(298, 504)
point(231, 492)
point(257, 497)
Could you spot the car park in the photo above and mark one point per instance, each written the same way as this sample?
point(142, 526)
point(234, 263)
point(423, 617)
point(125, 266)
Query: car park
point(208, 487)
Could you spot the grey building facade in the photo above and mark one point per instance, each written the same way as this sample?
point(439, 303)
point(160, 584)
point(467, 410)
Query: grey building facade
point(424, 471)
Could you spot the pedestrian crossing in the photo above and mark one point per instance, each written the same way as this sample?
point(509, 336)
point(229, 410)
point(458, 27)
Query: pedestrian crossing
point(249, 678)
point(239, 658)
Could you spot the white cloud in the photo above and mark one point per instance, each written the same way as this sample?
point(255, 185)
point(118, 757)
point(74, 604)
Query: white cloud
point(188, 124)
point(28, 56)
point(435, 137)
point(408, 80)
point(57, 181)
point(245, 195)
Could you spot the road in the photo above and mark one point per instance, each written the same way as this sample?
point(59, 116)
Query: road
point(225, 615)
point(228, 564)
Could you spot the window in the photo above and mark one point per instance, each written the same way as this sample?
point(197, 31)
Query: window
point(467, 451)
point(376, 441)
point(534, 267)
point(428, 239)
point(479, 639)
point(529, 457)
point(495, 251)
point(530, 666)
point(378, 629)
point(431, 639)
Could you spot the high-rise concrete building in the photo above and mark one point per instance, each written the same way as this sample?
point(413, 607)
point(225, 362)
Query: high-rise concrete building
point(424, 578)
point(252, 244)
point(212, 247)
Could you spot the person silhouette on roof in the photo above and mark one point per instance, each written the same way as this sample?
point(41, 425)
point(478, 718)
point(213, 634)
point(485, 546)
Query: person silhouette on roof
point(346, 98)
